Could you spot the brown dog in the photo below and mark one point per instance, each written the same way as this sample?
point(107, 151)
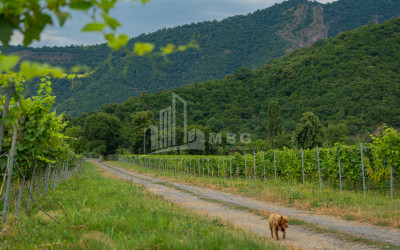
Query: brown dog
point(278, 222)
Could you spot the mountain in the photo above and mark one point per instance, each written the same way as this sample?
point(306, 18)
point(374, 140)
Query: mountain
point(245, 40)
point(351, 79)
point(66, 57)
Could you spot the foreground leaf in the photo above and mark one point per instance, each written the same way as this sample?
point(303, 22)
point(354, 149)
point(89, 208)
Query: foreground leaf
point(93, 27)
point(143, 48)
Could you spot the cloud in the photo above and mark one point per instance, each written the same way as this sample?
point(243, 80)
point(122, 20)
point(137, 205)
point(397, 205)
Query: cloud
point(16, 38)
point(52, 37)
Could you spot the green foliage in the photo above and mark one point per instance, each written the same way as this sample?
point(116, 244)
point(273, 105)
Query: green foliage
point(309, 132)
point(117, 43)
point(93, 27)
point(283, 140)
point(31, 17)
point(141, 121)
point(354, 13)
point(274, 121)
point(336, 133)
point(242, 73)
point(39, 139)
point(30, 122)
point(8, 62)
point(75, 139)
point(287, 163)
point(240, 41)
point(351, 79)
point(103, 132)
point(66, 57)
point(388, 148)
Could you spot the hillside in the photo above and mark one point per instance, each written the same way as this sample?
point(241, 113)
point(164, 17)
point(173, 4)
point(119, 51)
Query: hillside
point(246, 40)
point(66, 57)
point(350, 79)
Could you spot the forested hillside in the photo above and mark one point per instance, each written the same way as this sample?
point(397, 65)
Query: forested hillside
point(350, 79)
point(66, 57)
point(246, 40)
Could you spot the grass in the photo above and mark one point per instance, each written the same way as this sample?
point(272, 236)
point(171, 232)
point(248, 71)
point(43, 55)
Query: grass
point(100, 212)
point(374, 208)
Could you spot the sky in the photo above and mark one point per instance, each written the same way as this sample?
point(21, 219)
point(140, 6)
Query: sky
point(136, 18)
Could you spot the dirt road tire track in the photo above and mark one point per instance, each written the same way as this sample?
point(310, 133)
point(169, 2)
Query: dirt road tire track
point(297, 236)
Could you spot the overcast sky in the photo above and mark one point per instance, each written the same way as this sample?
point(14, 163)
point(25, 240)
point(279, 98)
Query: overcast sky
point(137, 18)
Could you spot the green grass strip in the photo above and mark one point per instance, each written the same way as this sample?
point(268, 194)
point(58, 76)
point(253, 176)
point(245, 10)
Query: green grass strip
point(98, 212)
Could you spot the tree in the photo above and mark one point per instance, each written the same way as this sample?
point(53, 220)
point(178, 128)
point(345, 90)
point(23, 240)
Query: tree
point(282, 140)
point(242, 73)
point(336, 133)
point(75, 139)
point(103, 133)
point(274, 121)
point(309, 132)
point(141, 121)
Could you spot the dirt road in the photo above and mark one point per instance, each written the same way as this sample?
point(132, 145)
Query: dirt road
point(200, 199)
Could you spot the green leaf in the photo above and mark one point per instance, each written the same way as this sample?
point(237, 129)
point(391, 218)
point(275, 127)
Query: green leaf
point(111, 22)
point(62, 17)
point(106, 5)
point(110, 37)
point(34, 26)
point(168, 49)
point(18, 96)
point(80, 5)
point(8, 62)
point(119, 42)
point(80, 68)
point(48, 89)
point(30, 70)
point(182, 48)
point(90, 27)
point(6, 28)
point(143, 48)
point(7, 120)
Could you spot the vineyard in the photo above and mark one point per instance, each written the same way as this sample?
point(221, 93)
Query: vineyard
point(374, 166)
point(34, 152)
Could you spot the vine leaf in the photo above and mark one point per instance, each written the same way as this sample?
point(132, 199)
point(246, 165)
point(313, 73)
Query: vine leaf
point(116, 43)
point(34, 26)
point(6, 28)
point(80, 5)
point(143, 48)
point(93, 27)
point(111, 22)
point(8, 62)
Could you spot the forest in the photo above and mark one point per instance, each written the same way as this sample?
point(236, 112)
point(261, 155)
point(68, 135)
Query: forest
point(221, 47)
point(350, 82)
